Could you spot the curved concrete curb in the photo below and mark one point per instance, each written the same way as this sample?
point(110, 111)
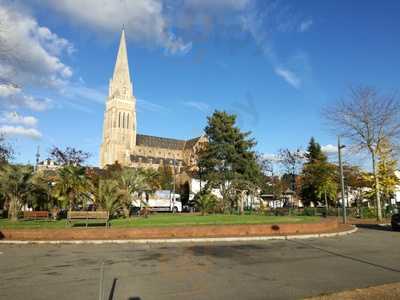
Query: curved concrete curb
point(187, 240)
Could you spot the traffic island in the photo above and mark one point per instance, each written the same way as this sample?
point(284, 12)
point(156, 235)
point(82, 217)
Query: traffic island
point(319, 228)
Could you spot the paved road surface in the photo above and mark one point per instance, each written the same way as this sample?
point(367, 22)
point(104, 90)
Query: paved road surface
point(262, 270)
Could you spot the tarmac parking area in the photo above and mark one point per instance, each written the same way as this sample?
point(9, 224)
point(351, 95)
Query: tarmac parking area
point(280, 269)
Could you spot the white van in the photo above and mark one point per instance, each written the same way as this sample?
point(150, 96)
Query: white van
point(163, 200)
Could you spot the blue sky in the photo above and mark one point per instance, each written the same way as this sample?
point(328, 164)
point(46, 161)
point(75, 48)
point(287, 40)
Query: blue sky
point(275, 64)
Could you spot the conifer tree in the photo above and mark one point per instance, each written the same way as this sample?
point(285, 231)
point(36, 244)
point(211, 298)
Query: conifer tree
point(229, 162)
point(318, 176)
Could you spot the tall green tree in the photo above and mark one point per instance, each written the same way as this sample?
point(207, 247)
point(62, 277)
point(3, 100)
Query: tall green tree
point(15, 184)
point(314, 152)
point(318, 176)
point(6, 151)
point(165, 176)
point(228, 162)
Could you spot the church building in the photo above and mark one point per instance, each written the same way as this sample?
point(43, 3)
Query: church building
point(121, 143)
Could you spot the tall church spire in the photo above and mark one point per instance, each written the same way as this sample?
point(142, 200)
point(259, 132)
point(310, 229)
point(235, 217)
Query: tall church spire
point(119, 127)
point(121, 70)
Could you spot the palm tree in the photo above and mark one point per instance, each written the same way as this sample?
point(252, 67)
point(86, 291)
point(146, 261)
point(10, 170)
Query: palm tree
point(206, 203)
point(15, 184)
point(132, 182)
point(70, 184)
point(109, 195)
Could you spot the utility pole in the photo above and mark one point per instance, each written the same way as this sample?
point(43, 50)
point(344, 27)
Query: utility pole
point(173, 189)
point(340, 147)
point(326, 203)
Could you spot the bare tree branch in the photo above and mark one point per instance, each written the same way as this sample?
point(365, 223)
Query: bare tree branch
point(368, 119)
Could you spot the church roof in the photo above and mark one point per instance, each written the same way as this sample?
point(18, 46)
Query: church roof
point(164, 143)
point(190, 143)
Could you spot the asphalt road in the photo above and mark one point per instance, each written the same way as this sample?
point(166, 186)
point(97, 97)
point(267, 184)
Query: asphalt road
point(264, 270)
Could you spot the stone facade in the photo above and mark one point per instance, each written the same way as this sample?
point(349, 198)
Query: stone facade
point(121, 142)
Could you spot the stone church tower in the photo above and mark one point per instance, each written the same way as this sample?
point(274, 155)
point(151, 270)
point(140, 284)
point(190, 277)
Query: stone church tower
point(121, 141)
point(119, 128)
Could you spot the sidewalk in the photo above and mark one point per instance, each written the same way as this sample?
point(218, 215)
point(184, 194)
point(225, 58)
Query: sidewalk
point(385, 291)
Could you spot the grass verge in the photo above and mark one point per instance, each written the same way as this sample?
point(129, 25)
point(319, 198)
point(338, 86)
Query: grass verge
point(167, 220)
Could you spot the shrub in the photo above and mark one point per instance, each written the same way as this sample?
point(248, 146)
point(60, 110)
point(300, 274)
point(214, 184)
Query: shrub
point(367, 213)
point(308, 211)
point(206, 203)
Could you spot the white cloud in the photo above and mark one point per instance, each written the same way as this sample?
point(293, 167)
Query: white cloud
point(7, 90)
point(305, 25)
point(12, 131)
point(329, 149)
point(263, 26)
point(12, 97)
point(201, 106)
point(36, 104)
point(149, 106)
point(288, 76)
point(144, 20)
point(271, 157)
point(15, 118)
point(82, 92)
point(30, 58)
point(30, 53)
point(213, 4)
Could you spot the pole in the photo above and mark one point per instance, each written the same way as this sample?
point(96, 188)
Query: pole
point(342, 180)
point(173, 190)
point(326, 203)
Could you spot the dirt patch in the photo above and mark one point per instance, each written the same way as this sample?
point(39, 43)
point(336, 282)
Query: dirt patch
point(381, 292)
point(324, 225)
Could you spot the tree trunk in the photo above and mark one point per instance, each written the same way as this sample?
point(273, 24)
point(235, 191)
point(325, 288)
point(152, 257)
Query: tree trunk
point(241, 203)
point(377, 188)
point(13, 209)
point(70, 201)
point(126, 211)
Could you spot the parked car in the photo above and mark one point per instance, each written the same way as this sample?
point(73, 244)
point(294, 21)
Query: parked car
point(396, 220)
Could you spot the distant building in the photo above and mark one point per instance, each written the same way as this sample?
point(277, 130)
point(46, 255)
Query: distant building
point(47, 165)
point(121, 143)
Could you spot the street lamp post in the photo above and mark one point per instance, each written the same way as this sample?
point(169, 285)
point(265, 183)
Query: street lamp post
point(173, 190)
point(340, 147)
point(326, 203)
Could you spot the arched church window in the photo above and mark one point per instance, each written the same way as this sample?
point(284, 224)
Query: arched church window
point(123, 120)
point(119, 120)
point(127, 121)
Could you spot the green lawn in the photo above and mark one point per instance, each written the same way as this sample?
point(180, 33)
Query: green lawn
point(165, 220)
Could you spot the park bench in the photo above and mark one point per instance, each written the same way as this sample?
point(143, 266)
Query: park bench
point(88, 217)
point(36, 215)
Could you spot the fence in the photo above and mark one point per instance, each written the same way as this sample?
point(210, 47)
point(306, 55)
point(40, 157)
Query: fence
point(352, 212)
